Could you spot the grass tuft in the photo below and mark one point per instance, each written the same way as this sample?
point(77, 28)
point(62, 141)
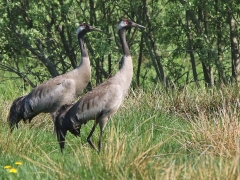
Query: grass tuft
point(188, 134)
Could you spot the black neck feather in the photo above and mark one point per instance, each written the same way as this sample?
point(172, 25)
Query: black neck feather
point(125, 48)
point(81, 44)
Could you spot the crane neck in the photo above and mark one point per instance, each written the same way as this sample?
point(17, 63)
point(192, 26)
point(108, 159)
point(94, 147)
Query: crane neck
point(125, 48)
point(125, 73)
point(82, 46)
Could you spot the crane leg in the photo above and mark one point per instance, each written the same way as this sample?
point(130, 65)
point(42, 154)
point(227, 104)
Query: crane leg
point(89, 138)
point(30, 119)
point(53, 115)
point(100, 141)
point(12, 126)
point(102, 123)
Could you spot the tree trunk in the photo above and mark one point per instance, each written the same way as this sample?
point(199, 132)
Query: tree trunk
point(152, 45)
point(234, 45)
point(209, 67)
point(219, 65)
point(69, 52)
point(190, 50)
point(139, 62)
point(109, 64)
point(205, 55)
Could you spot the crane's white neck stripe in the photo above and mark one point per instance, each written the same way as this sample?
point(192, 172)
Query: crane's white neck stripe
point(79, 29)
point(121, 25)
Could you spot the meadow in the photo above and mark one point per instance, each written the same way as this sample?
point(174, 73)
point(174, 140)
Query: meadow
point(185, 134)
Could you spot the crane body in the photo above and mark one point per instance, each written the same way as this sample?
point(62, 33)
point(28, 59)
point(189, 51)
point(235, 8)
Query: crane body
point(102, 102)
point(49, 96)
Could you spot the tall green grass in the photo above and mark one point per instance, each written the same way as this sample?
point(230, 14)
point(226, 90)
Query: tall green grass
point(189, 134)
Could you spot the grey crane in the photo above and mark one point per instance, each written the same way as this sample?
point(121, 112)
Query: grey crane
point(49, 96)
point(100, 103)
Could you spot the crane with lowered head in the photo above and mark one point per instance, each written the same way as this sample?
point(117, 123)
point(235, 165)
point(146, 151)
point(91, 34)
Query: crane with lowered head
point(100, 103)
point(49, 96)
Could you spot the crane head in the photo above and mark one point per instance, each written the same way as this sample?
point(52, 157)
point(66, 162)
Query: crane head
point(126, 23)
point(85, 28)
point(16, 112)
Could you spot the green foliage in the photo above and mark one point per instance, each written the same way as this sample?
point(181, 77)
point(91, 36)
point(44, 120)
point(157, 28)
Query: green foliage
point(32, 30)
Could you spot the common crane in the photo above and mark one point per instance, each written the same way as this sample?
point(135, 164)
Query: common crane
point(49, 96)
point(100, 103)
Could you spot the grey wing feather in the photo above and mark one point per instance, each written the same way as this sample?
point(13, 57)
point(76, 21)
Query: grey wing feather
point(105, 99)
point(49, 96)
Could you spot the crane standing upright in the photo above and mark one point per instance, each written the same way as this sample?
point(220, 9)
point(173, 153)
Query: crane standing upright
point(49, 96)
point(103, 101)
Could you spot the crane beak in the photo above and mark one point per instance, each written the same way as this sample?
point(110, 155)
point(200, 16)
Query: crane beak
point(95, 29)
point(137, 25)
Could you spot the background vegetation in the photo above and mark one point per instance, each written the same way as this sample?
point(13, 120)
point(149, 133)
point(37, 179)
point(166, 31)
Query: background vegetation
point(181, 118)
point(185, 42)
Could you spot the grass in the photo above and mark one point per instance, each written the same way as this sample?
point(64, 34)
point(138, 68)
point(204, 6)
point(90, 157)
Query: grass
point(190, 134)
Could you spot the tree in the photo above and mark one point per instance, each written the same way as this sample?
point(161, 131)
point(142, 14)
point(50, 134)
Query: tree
point(234, 42)
point(185, 42)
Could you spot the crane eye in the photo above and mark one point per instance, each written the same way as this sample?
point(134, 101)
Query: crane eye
point(83, 25)
point(126, 21)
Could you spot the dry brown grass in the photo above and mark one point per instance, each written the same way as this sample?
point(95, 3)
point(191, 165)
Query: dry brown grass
point(208, 147)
